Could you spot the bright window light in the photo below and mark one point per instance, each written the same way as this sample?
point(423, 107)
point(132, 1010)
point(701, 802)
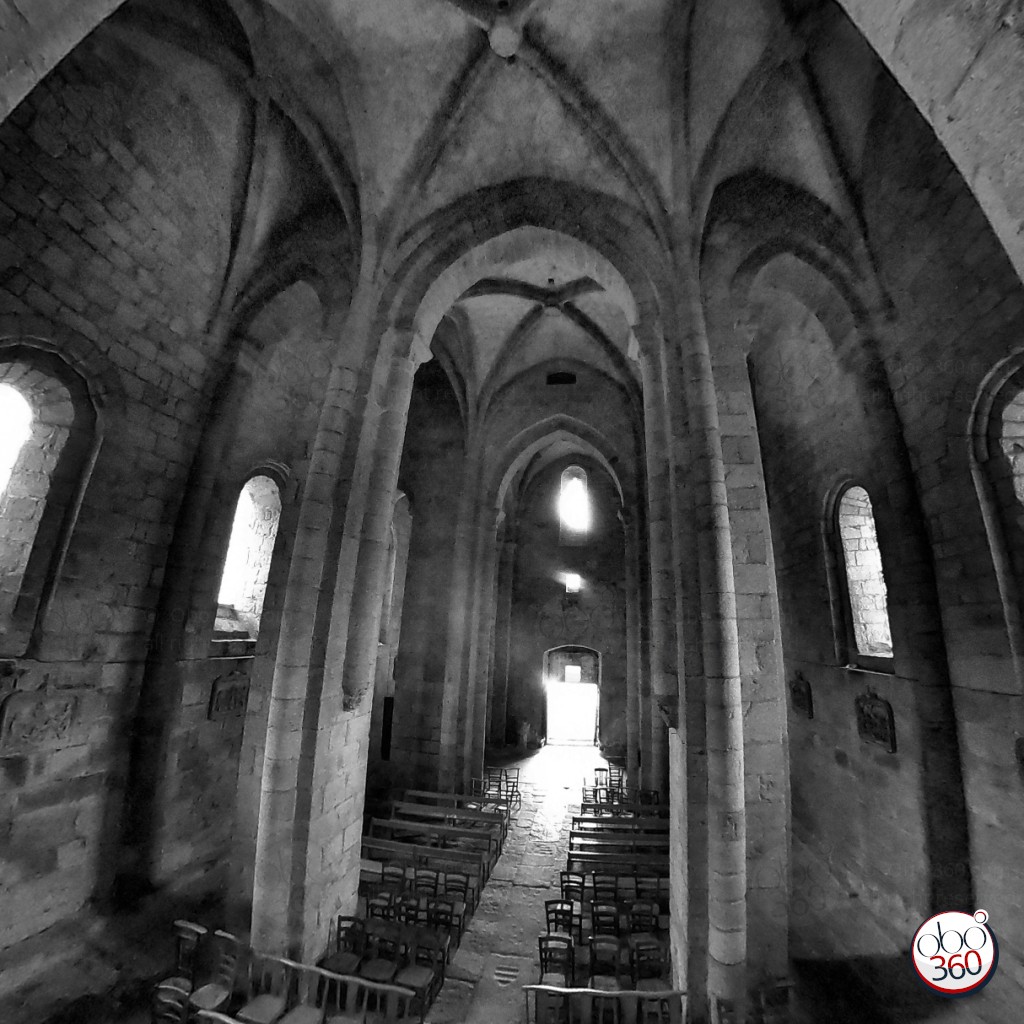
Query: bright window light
point(573, 582)
point(574, 504)
point(573, 673)
point(15, 427)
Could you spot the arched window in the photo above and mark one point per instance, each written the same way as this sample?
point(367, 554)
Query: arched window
point(867, 603)
point(47, 444)
point(573, 506)
point(243, 584)
point(15, 428)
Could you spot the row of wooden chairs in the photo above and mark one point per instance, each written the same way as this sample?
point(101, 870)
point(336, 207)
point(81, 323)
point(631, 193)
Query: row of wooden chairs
point(499, 782)
point(414, 897)
point(639, 921)
point(613, 795)
point(282, 991)
point(643, 966)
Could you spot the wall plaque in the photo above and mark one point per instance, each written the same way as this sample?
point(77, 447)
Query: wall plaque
point(229, 696)
point(875, 721)
point(801, 696)
point(36, 719)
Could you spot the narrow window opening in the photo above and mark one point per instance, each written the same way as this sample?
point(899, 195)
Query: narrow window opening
point(243, 585)
point(865, 580)
point(15, 429)
point(573, 673)
point(561, 377)
point(573, 582)
point(573, 503)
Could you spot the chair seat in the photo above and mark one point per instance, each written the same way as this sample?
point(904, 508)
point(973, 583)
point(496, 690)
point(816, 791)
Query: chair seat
point(416, 976)
point(264, 1009)
point(346, 1018)
point(342, 962)
point(553, 978)
point(643, 938)
point(378, 970)
point(210, 997)
point(653, 985)
point(303, 1015)
point(605, 983)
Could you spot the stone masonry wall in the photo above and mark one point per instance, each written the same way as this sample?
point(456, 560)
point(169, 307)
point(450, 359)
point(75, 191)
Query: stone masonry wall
point(959, 309)
point(113, 233)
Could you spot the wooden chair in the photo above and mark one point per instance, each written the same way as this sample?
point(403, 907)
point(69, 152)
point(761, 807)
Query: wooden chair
point(605, 888)
point(215, 993)
point(604, 919)
point(425, 971)
point(573, 887)
point(604, 963)
point(511, 792)
point(455, 891)
point(187, 936)
point(270, 980)
point(383, 951)
point(345, 946)
point(643, 922)
point(557, 960)
point(559, 917)
point(648, 966)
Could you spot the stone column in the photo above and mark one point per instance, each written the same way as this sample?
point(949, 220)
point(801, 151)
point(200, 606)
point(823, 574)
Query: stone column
point(727, 834)
point(502, 639)
point(633, 664)
point(663, 666)
point(456, 709)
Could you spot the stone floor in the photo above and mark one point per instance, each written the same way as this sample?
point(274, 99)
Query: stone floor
point(498, 953)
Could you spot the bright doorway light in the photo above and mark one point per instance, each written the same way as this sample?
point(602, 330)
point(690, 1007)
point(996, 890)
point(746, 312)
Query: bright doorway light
point(15, 427)
point(573, 582)
point(572, 711)
point(573, 673)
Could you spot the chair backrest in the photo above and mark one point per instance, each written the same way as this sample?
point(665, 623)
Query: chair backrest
point(456, 883)
point(648, 887)
point(604, 956)
point(573, 885)
point(647, 960)
point(606, 888)
point(229, 951)
point(605, 918)
point(349, 935)
point(643, 916)
point(407, 909)
point(170, 1004)
point(384, 939)
point(558, 914)
point(428, 949)
point(187, 935)
point(439, 914)
point(425, 882)
point(557, 955)
point(393, 877)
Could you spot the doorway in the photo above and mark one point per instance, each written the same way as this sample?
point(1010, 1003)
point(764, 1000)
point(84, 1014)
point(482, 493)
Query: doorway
point(571, 678)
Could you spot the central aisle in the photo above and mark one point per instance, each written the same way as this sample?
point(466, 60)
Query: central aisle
point(498, 953)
